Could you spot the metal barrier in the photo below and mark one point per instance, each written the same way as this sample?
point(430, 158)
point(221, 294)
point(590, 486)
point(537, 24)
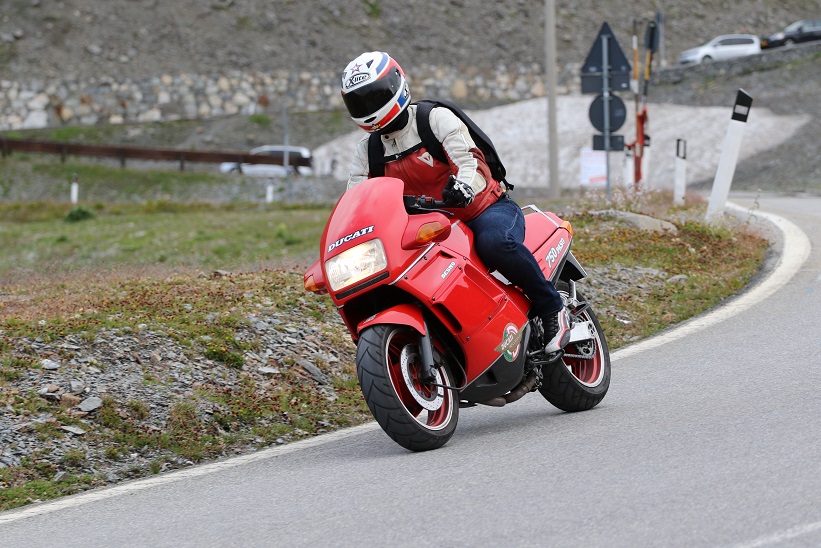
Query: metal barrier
point(7, 146)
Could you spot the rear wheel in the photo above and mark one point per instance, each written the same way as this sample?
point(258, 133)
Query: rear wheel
point(418, 417)
point(580, 379)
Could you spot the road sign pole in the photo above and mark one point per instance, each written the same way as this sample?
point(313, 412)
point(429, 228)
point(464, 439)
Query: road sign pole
point(605, 76)
point(554, 188)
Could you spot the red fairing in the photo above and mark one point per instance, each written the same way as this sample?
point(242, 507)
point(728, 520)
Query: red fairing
point(445, 277)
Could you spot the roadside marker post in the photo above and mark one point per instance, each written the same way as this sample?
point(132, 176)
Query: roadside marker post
point(729, 155)
point(680, 185)
point(75, 189)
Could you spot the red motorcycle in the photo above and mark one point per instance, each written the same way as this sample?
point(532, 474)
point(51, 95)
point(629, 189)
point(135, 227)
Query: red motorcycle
point(434, 329)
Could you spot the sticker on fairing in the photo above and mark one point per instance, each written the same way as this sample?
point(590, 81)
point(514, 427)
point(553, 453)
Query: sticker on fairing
point(511, 342)
point(554, 252)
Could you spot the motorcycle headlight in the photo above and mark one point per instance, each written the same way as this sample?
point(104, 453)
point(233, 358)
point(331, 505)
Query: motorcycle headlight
point(356, 264)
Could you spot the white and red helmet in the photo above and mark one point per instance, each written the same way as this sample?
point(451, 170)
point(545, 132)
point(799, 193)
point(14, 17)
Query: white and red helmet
point(374, 90)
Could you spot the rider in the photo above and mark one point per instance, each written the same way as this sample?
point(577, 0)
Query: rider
point(377, 97)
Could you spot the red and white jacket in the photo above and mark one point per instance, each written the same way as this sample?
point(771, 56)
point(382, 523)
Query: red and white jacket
point(422, 173)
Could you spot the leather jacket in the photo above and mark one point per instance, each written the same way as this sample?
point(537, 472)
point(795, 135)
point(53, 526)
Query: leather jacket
point(422, 173)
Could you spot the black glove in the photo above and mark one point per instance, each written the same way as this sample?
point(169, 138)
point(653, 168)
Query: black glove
point(457, 193)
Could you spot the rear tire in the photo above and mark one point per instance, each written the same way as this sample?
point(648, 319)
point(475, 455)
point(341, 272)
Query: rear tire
point(578, 384)
point(415, 416)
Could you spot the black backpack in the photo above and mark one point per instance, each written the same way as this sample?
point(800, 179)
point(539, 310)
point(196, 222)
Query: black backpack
point(376, 153)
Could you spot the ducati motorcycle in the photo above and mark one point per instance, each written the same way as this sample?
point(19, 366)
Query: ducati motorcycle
point(435, 330)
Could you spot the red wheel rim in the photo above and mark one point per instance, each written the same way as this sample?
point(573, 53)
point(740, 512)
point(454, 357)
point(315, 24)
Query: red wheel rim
point(432, 419)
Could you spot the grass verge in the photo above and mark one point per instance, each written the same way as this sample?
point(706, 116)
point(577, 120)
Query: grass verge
point(190, 326)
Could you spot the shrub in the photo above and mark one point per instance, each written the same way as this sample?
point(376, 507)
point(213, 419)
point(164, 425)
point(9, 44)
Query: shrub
point(78, 214)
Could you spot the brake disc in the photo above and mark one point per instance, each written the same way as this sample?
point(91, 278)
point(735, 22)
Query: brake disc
point(429, 398)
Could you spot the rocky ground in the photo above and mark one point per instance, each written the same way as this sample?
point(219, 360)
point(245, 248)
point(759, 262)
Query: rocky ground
point(145, 365)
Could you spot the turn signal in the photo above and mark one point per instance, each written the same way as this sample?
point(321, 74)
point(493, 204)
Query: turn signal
point(429, 231)
point(568, 227)
point(310, 285)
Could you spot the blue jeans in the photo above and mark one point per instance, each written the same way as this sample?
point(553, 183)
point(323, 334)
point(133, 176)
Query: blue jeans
point(498, 236)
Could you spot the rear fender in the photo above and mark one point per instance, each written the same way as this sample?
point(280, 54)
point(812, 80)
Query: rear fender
point(571, 269)
point(401, 314)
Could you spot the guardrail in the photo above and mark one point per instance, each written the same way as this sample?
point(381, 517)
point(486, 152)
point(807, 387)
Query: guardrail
point(123, 153)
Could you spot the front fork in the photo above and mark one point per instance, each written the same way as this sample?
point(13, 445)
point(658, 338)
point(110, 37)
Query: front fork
point(427, 375)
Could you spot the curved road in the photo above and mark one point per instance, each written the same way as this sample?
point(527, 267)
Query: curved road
point(710, 436)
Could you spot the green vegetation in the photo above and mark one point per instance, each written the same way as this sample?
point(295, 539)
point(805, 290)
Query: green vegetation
point(373, 8)
point(260, 120)
point(203, 236)
point(716, 261)
point(196, 272)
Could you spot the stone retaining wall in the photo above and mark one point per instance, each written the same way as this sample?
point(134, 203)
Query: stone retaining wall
point(38, 104)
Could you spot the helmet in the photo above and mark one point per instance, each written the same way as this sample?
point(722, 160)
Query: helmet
point(374, 90)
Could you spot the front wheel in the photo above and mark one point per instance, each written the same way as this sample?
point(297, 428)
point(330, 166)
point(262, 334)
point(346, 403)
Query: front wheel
point(418, 417)
point(580, 379)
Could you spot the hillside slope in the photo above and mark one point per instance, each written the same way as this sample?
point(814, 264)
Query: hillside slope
point(137, 39)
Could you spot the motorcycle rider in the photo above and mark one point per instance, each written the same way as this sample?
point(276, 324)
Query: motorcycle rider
point(378, 99)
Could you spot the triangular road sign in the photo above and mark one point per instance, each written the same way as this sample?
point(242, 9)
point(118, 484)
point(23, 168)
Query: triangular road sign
point(615, 56)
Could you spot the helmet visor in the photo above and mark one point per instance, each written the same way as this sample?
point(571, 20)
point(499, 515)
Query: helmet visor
point(368, 99)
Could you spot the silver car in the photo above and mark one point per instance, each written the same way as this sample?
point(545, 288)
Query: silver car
point(720, 48)
point(296, 155)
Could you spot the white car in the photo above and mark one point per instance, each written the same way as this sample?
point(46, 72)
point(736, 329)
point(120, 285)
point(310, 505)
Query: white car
point(295, 154)
point(720, 48)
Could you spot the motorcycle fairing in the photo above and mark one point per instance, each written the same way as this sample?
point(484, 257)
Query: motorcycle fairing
point(502, 376)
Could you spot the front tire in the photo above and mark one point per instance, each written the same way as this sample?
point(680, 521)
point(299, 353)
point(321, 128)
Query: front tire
point(580, 379)
point(416, 416)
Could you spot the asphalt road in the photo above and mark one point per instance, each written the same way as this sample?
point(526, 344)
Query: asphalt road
point(710, 436)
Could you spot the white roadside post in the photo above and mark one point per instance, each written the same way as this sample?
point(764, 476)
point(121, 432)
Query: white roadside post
point(75, 189)
point(729, 155)
point(680, 187)
point(269, 192)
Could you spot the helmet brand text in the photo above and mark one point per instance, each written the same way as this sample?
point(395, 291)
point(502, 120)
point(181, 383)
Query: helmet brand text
point(357, 79)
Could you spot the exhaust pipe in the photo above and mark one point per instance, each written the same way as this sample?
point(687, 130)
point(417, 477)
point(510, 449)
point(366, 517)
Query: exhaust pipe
point(527, 385)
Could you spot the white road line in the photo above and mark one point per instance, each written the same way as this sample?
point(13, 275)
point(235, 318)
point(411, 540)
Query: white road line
point(781, 536)
point(796, 250)
point(179, 475)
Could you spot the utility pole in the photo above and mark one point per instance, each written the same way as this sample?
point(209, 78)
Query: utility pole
point(554, 188)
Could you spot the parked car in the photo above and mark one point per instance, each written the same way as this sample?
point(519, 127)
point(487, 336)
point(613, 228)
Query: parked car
point(720, 48)
point(273, 170)
point(805, 30)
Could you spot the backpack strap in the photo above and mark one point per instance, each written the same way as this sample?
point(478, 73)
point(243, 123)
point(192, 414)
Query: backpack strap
point(429, 140)
point(376, 156)
point(434, 146)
